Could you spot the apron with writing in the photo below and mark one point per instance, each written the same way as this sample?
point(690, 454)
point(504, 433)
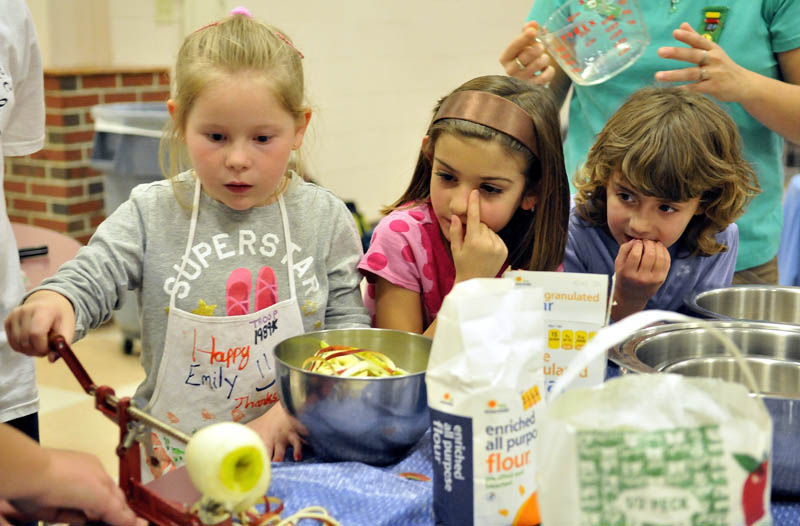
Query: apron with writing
point(216, 369)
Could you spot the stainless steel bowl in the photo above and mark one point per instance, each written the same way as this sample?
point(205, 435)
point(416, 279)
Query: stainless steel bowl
point(371, 420)
point(771, 350)
point(769, 303)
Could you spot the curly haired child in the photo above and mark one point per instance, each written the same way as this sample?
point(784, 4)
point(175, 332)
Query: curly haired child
point(657, 200)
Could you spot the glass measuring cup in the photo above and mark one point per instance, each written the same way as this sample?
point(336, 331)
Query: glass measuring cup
point(593, 40)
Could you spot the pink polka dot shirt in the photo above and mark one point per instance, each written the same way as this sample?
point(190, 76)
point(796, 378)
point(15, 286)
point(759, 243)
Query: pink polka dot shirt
point(407, 250)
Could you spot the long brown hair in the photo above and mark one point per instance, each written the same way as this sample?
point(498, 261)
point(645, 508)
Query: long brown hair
point(535, 239)
point(675, 145)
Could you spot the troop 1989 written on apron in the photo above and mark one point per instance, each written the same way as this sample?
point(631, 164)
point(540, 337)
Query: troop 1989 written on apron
point(216, 369)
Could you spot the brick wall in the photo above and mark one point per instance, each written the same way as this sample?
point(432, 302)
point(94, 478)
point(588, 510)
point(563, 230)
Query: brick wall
point(56, 188)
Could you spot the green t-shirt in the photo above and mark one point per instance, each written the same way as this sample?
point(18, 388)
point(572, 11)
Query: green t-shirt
point(753, 32)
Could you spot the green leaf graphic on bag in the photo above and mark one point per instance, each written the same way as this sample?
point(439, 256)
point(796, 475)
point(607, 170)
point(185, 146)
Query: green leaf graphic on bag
point(754, 486)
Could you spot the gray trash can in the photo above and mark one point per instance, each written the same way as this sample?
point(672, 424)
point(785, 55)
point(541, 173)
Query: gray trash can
point(125, 151)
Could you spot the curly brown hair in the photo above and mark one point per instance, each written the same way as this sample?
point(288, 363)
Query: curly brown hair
point(536, 240)
point(676, 145)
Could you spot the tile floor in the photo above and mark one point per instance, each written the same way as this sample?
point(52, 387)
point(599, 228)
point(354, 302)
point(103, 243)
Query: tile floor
point(67, 417)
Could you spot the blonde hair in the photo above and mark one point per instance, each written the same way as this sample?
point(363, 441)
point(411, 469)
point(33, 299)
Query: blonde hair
point(676, 145)
point(536, 239)
point(237, 44)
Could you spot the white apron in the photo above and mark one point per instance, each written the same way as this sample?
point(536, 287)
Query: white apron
point(216, 369)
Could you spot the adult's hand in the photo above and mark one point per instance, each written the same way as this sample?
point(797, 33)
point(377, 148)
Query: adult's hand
point(525, 57)
point(775, 103)
point(56, 485)
point(712, 71)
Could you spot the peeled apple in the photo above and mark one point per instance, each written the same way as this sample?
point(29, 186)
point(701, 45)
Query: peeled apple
point(228, 464)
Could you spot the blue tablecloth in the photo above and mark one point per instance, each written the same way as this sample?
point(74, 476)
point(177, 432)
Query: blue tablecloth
point(360, 495)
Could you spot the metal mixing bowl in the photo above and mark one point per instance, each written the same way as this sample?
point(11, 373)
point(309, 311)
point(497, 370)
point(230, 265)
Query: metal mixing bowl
point(771, 350)
point(769, 303)
point(371, 420)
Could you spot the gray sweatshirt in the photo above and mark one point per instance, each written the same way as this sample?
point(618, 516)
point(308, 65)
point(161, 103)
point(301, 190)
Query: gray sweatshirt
point(139, 247)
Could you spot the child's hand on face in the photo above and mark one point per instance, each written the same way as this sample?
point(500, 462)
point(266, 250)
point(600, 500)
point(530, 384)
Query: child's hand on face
point(641, 267)
point(276, 430)
point(479, 252)
point(29, 325)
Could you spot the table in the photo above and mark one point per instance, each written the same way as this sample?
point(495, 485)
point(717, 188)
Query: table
point(360, 495)
point(357, 494)
point(61, 248)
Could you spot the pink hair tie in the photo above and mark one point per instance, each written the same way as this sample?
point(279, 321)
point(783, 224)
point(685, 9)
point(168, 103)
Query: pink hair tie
point(241, 10)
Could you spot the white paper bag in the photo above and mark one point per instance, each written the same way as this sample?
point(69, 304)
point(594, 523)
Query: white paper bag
point(654, 450)
point(484, 379)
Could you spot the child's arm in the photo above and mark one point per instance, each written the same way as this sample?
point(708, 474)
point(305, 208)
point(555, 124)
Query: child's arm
point(29, 325)
point(89, 287)
point(398, 308)
point(641, 267)
point(43, 483)
point(477, 253)
point(277, 431)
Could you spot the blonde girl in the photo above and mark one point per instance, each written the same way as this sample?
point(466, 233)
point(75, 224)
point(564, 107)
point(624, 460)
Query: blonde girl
point(230, 256)
point(489, 192)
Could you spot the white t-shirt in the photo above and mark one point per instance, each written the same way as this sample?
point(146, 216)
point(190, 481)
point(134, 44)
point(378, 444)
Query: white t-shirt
point(21, 133)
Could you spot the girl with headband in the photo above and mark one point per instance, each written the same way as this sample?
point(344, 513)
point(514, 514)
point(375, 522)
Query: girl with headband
point(489, 192)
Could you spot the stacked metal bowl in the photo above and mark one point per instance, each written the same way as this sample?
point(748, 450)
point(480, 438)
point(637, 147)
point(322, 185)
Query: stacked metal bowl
point(748, 303)
point(371, 420)
point(771, 350)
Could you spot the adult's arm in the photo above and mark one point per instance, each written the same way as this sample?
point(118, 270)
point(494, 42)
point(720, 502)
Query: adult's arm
point(43, 483)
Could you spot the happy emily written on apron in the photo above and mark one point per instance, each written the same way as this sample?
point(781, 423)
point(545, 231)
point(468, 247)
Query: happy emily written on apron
point(216, 369)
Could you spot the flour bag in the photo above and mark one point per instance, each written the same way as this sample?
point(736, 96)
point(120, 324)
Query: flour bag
point(654, 449)
point(485, 380)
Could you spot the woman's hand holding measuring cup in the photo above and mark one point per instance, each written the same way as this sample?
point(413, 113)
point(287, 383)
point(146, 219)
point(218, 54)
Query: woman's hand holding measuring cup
point(525, 57)
point(712, 71)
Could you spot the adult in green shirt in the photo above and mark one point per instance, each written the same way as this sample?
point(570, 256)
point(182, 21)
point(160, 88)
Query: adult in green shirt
point(750, 65)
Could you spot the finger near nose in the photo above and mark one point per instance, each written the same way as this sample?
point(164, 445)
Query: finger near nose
point(474, 211)
point(459, 202)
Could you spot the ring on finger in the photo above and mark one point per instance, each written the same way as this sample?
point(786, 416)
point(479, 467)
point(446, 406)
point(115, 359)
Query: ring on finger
point(703, 74)
point(703, 58)
point(519, 63)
